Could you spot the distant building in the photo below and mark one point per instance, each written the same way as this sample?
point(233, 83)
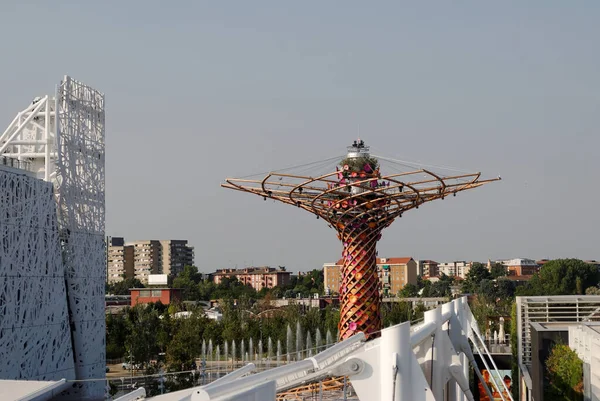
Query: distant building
point(428, 268)
point(394, 274)
point(119, 260)
point(257, 277)
point(147, 259)
point(593, 263)
point(150, 295)
point(521, 267)
point(139, 259)
point(454, 269)
point(176, 254)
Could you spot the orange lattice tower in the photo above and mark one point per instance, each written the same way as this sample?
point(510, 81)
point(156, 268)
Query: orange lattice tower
point(359, 202)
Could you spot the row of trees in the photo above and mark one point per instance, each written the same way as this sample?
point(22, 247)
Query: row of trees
point(197, 289)
point(145, 331)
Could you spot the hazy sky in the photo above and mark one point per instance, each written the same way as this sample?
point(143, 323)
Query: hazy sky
point(199, 91)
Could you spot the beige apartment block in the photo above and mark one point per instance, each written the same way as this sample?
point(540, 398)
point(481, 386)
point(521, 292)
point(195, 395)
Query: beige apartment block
point(119, 260)
point(394, 274)
point(147, 258)
point(139, 259)
point(455, 269)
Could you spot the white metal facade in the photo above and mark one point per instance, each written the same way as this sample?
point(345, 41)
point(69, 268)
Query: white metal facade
point(61, 139)
point(80, 190)
point(35, 340)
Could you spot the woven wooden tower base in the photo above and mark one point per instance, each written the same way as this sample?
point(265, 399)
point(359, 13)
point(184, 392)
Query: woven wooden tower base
point(359, 292)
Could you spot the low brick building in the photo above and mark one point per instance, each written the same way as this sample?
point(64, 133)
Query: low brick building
point(150, 295)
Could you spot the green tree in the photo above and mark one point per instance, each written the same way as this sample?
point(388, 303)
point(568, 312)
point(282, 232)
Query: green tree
point(395, 312)
point(186, 344)
point(515, 352)
point(122, 287)
point(116, 333)
point(188, 280)
point(498, 270)
point(206, 289)
point(408, 291)
point(562, 277)
point(141, 341)
point(565, 374)
point(426, 289)
point(332, 319)
point(442, 287)
point(477, 272)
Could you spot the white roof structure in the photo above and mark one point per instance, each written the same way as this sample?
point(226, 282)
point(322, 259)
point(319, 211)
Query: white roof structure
point(30, 390)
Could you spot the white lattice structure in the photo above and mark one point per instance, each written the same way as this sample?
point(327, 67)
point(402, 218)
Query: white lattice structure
point(61, 140)
point(35, 340)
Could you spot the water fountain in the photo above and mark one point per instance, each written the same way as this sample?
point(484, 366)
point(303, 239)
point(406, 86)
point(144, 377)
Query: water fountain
point(233, 355)
point(328, 339)
point(309, 349)
point(210, 356)
point(279, 352)
point(288, 344)
point(242, 351)
point(298, 341)
point(269, 352)
point(318, 340)
point(226, 354)
point(250, 351)
point(218, 359)
point(259, 351)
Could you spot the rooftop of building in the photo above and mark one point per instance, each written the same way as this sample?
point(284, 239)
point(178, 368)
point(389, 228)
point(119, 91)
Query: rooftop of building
point(250, 270)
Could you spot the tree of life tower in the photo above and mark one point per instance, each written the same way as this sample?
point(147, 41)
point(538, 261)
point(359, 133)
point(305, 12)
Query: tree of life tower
point(358, 199)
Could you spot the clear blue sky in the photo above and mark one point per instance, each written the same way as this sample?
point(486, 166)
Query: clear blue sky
point(198, 91)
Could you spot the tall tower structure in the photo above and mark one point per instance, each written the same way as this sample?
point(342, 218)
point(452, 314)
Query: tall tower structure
point(358, 200)
point(60, 139)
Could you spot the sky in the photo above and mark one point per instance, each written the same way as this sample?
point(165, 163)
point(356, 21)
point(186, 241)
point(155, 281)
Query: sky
point(198, 91)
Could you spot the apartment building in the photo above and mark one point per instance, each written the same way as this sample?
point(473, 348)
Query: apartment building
point(176, 254)
point(119, 260)
point(257, 277)
point(147, 258)
point(521, 266)
point(394, 274)
point(428, 268)
point(454, 269)
point(139, 259)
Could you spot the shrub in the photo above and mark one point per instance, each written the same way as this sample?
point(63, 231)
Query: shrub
point(565, 373)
